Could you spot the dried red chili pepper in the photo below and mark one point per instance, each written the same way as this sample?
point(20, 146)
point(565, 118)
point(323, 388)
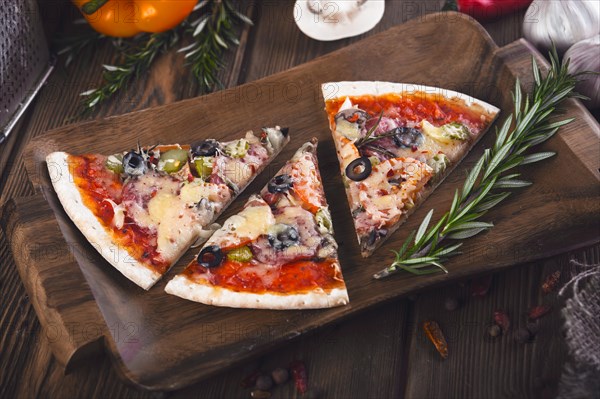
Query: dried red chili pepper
point(551, 282)
point(538, 311)
point(299, 375)
point(481, 286)
point(435, 335)
point(502, 320)
point(250, 380)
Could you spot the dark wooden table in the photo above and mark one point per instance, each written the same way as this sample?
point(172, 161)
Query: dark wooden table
point(382, 353)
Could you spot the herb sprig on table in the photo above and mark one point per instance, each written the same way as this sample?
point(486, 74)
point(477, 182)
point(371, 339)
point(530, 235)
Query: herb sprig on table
point(426, 249)
point(212, 29)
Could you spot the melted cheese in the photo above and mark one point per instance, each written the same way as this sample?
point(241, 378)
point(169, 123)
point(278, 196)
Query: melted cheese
point(383, 201)
point(194, 192)
point(247, 225)
point(175, 218)
point(174, 221)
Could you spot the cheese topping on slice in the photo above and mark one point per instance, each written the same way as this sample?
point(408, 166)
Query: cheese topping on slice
point(175, 223)
point(155, 202)
point(248, 225)
point(391, 186)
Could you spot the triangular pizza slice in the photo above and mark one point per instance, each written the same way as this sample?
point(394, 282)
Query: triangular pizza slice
point(142, 209)
point(395, 143)
point(278, 252)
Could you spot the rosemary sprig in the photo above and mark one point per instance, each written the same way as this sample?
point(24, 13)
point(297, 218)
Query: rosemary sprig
point(73, 45)
point(368, 137)
point(136, 61)
point(213, 33)
point(425, 250)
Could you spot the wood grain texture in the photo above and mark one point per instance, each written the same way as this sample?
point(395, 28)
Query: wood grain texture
point(479, 366)
point(25, 353)
point(152, 354)
point(68, 314)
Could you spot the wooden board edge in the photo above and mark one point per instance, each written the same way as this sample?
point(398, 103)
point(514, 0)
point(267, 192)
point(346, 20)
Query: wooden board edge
point(74, 333)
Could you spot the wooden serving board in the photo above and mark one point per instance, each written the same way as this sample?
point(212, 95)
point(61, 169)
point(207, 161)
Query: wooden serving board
point(162, 342)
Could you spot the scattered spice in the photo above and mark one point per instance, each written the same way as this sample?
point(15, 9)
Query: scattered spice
point(451, 304)
point(299, 375)
point(538, 311)
point(481, 286)
point(551, 282)
point(435, 335)
point(494, 331)
point(250, 380)
point(502, 320)
point(258, 394)
point(280, 375)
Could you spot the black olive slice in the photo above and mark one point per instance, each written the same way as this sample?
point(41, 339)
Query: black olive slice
point(134, 164)
point(353, 115)
point(407, 137)
point(206, 148)
point(359, 169)
point(210, 256)
point(283, 237)
point(280, 184)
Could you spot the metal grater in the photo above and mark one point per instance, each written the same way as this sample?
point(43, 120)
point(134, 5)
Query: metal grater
point(24, 59)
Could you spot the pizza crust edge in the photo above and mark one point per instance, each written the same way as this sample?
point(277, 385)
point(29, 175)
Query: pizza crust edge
point(96, 234)
point(183, 287)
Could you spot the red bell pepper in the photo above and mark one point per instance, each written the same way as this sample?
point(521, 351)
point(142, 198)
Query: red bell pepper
point(485, 10)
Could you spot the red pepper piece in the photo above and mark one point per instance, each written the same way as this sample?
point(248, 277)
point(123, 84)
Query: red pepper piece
point(502, 320)
point(299, 374)
point(435, 335)
point(538, 311)
point(250, 380)
point(481, 286)
point(551, 282)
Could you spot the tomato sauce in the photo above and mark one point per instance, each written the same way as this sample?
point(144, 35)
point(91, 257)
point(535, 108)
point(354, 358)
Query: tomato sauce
point(291, 278)
point(415, 107)
point(96, 184)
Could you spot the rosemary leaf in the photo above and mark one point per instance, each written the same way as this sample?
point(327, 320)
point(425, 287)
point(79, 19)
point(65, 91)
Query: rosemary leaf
point(540, 156)
point(423, 227)
point(135, 62)
point(212, 32)
point(530, 127)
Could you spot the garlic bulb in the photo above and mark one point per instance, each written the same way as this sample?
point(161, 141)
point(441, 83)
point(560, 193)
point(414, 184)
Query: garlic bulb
point(585, 56)
point(564, 22)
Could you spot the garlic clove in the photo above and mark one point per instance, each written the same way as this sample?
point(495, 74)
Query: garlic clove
point(328, 20)
point(584, 56)
point(562, 22)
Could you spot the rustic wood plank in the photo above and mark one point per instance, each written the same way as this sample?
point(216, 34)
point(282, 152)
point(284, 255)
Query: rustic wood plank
point(478, 366)
point(162, 362)
point(275, 19)
point(342, 361)
point(24, 353)
point(69, 317)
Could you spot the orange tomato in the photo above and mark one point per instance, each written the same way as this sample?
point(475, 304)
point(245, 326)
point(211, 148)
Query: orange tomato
point(115, 18)
point(126, 18)
point(162, 15)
